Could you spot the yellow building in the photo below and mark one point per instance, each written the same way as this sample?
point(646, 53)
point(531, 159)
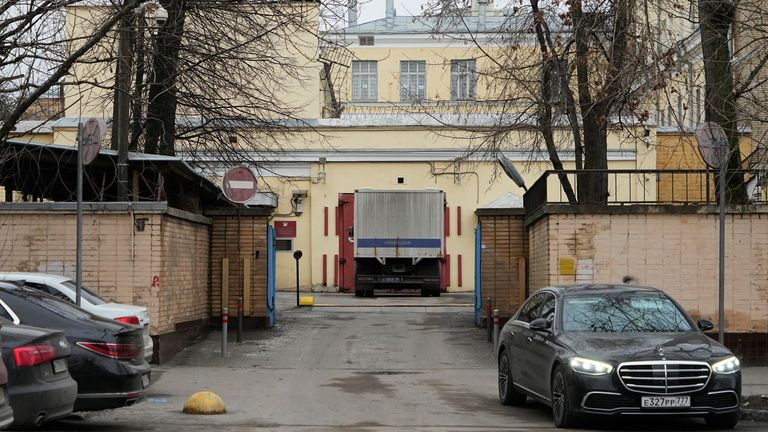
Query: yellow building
point(390, 106)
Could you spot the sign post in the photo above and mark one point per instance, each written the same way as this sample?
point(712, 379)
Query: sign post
point(88, 145)
point(239, 184)
point(297, 256)
point(713, 146)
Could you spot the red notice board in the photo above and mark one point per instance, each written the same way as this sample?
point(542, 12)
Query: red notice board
point(285, 229)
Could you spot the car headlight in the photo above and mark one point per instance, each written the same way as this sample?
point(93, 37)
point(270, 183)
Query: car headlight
point(590, 367)
point(727, 366)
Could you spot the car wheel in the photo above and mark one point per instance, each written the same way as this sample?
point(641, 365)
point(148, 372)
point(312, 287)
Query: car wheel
point(507, 393)
point(436, 292)
point(562, 412)
point(722, 421)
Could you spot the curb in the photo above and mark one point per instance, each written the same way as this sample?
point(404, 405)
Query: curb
point(753, 414)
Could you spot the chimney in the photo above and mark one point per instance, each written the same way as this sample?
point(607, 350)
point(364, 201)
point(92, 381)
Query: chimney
point(351, 13)
point(390, 14)
point(481, 14)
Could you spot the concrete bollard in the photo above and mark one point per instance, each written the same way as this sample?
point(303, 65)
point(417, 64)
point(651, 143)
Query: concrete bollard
point(224, 328)
point(488, 322)
point(495, 329)
point(205, 403)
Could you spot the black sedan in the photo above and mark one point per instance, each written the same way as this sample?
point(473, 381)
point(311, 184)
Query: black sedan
point(39, 385)
point(605, 350)
point(107, 359)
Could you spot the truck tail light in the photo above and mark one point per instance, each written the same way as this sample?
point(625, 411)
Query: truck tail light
point(32, 355)
point(133, 320)
point(124, 351)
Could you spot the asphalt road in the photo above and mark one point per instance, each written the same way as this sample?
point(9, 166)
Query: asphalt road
point(381, 364)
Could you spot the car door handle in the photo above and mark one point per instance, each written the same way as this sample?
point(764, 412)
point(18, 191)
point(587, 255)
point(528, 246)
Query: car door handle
point(529, 339)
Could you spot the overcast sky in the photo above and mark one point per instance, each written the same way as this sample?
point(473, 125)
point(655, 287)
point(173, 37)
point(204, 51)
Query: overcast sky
point(373, 9)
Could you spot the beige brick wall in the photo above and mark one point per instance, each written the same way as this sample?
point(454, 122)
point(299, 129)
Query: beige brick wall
point(675, 252)
point(538, 258)
point(120, 261)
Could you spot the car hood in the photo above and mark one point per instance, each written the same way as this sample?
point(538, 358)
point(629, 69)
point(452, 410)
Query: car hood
point(621, 347)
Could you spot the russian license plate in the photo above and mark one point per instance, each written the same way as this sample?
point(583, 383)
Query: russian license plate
point(666, 401)
point(145, 380)
point(59, 365)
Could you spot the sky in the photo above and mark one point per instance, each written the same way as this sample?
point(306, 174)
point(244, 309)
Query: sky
point(374, 9)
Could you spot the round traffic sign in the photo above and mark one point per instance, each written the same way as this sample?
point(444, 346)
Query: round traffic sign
point(713, 144)
point(239, 184)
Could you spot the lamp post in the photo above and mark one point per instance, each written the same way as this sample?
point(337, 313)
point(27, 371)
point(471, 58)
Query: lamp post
point(121, 122)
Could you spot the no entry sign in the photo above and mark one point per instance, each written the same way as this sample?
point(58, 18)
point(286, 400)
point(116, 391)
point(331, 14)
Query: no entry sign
point(239, 184)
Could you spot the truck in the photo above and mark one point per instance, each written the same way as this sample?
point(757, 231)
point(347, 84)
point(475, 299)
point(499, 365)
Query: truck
point(399, 240)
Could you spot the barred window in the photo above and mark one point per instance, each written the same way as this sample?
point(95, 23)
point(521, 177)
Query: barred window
point(364, 81)
point(413, 80)
point(463, 79)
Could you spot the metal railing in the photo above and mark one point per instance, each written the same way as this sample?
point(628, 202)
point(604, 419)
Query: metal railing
point(645, 186)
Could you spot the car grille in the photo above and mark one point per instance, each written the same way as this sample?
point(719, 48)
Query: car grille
point(664, 376)
point(719, 400)
point(609, 401)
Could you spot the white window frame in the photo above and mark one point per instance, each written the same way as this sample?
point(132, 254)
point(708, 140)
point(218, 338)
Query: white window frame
point(413, 80)
point(463, 79)
point(365, 81)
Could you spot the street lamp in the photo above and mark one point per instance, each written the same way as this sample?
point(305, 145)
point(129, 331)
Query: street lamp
point(511, 171)
point(122, 87)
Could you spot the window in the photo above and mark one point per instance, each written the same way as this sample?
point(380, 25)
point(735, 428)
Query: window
point(463, 79)
point(623, 314)
point(413, 80)
point(547, 309)
point(364, 81)
point(365, 40)
point(283, 245)
point(528, 311)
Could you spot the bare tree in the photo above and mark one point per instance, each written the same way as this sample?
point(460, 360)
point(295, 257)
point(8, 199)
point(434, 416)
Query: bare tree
point(557, 67)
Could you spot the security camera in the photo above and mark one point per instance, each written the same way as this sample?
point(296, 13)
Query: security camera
point(161, 15)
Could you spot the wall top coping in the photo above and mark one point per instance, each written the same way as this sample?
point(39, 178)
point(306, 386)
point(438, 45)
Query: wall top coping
point(643, 209)
point(103, 207)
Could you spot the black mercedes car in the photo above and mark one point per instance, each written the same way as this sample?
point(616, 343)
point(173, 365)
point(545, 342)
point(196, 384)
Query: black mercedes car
point(615, 349)
point(39, 385)
point(107, 358)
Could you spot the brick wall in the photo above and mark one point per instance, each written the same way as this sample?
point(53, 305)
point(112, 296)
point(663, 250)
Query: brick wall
point(504, 247)
point(239, 238)
point(538, 259)
point(150, 255)
point(674, 252)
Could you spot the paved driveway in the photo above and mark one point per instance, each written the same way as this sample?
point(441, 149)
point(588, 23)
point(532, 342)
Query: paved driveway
point(381, 364)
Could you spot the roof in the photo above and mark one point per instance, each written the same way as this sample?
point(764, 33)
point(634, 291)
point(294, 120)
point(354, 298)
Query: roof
point(505, 201)
point(25, 276)
point(161, 177)
point(459, 24)
point(602, 289)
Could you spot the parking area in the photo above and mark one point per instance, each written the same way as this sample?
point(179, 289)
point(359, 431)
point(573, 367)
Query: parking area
point(380, 364)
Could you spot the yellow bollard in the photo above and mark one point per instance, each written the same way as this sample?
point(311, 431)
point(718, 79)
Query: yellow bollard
point(306, 301)
point(204, 402)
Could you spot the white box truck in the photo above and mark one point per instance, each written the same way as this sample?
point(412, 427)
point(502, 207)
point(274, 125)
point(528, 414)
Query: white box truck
point(399, 240)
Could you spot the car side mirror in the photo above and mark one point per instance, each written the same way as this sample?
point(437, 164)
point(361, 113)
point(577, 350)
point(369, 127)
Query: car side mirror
point(541, 324)
point(705, 324)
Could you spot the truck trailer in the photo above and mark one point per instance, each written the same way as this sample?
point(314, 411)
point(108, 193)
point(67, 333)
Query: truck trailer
point(399, 240)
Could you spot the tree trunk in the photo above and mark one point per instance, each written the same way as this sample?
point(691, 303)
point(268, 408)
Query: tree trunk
point(161, 111)
point(716, 18)
point(592, 187)
point(545, 108)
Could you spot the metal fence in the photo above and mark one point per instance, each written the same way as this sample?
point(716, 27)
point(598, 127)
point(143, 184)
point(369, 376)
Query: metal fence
point(646, 186)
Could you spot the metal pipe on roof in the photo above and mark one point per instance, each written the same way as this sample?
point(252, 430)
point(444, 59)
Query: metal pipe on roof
point(390, 14)
point(351, 13)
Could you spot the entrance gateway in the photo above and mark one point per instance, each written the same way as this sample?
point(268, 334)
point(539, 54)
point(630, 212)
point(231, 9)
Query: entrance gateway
point(392, 240)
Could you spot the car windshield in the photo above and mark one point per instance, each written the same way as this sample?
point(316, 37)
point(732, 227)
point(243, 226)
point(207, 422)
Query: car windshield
point(623, 313)
point(85, 293)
